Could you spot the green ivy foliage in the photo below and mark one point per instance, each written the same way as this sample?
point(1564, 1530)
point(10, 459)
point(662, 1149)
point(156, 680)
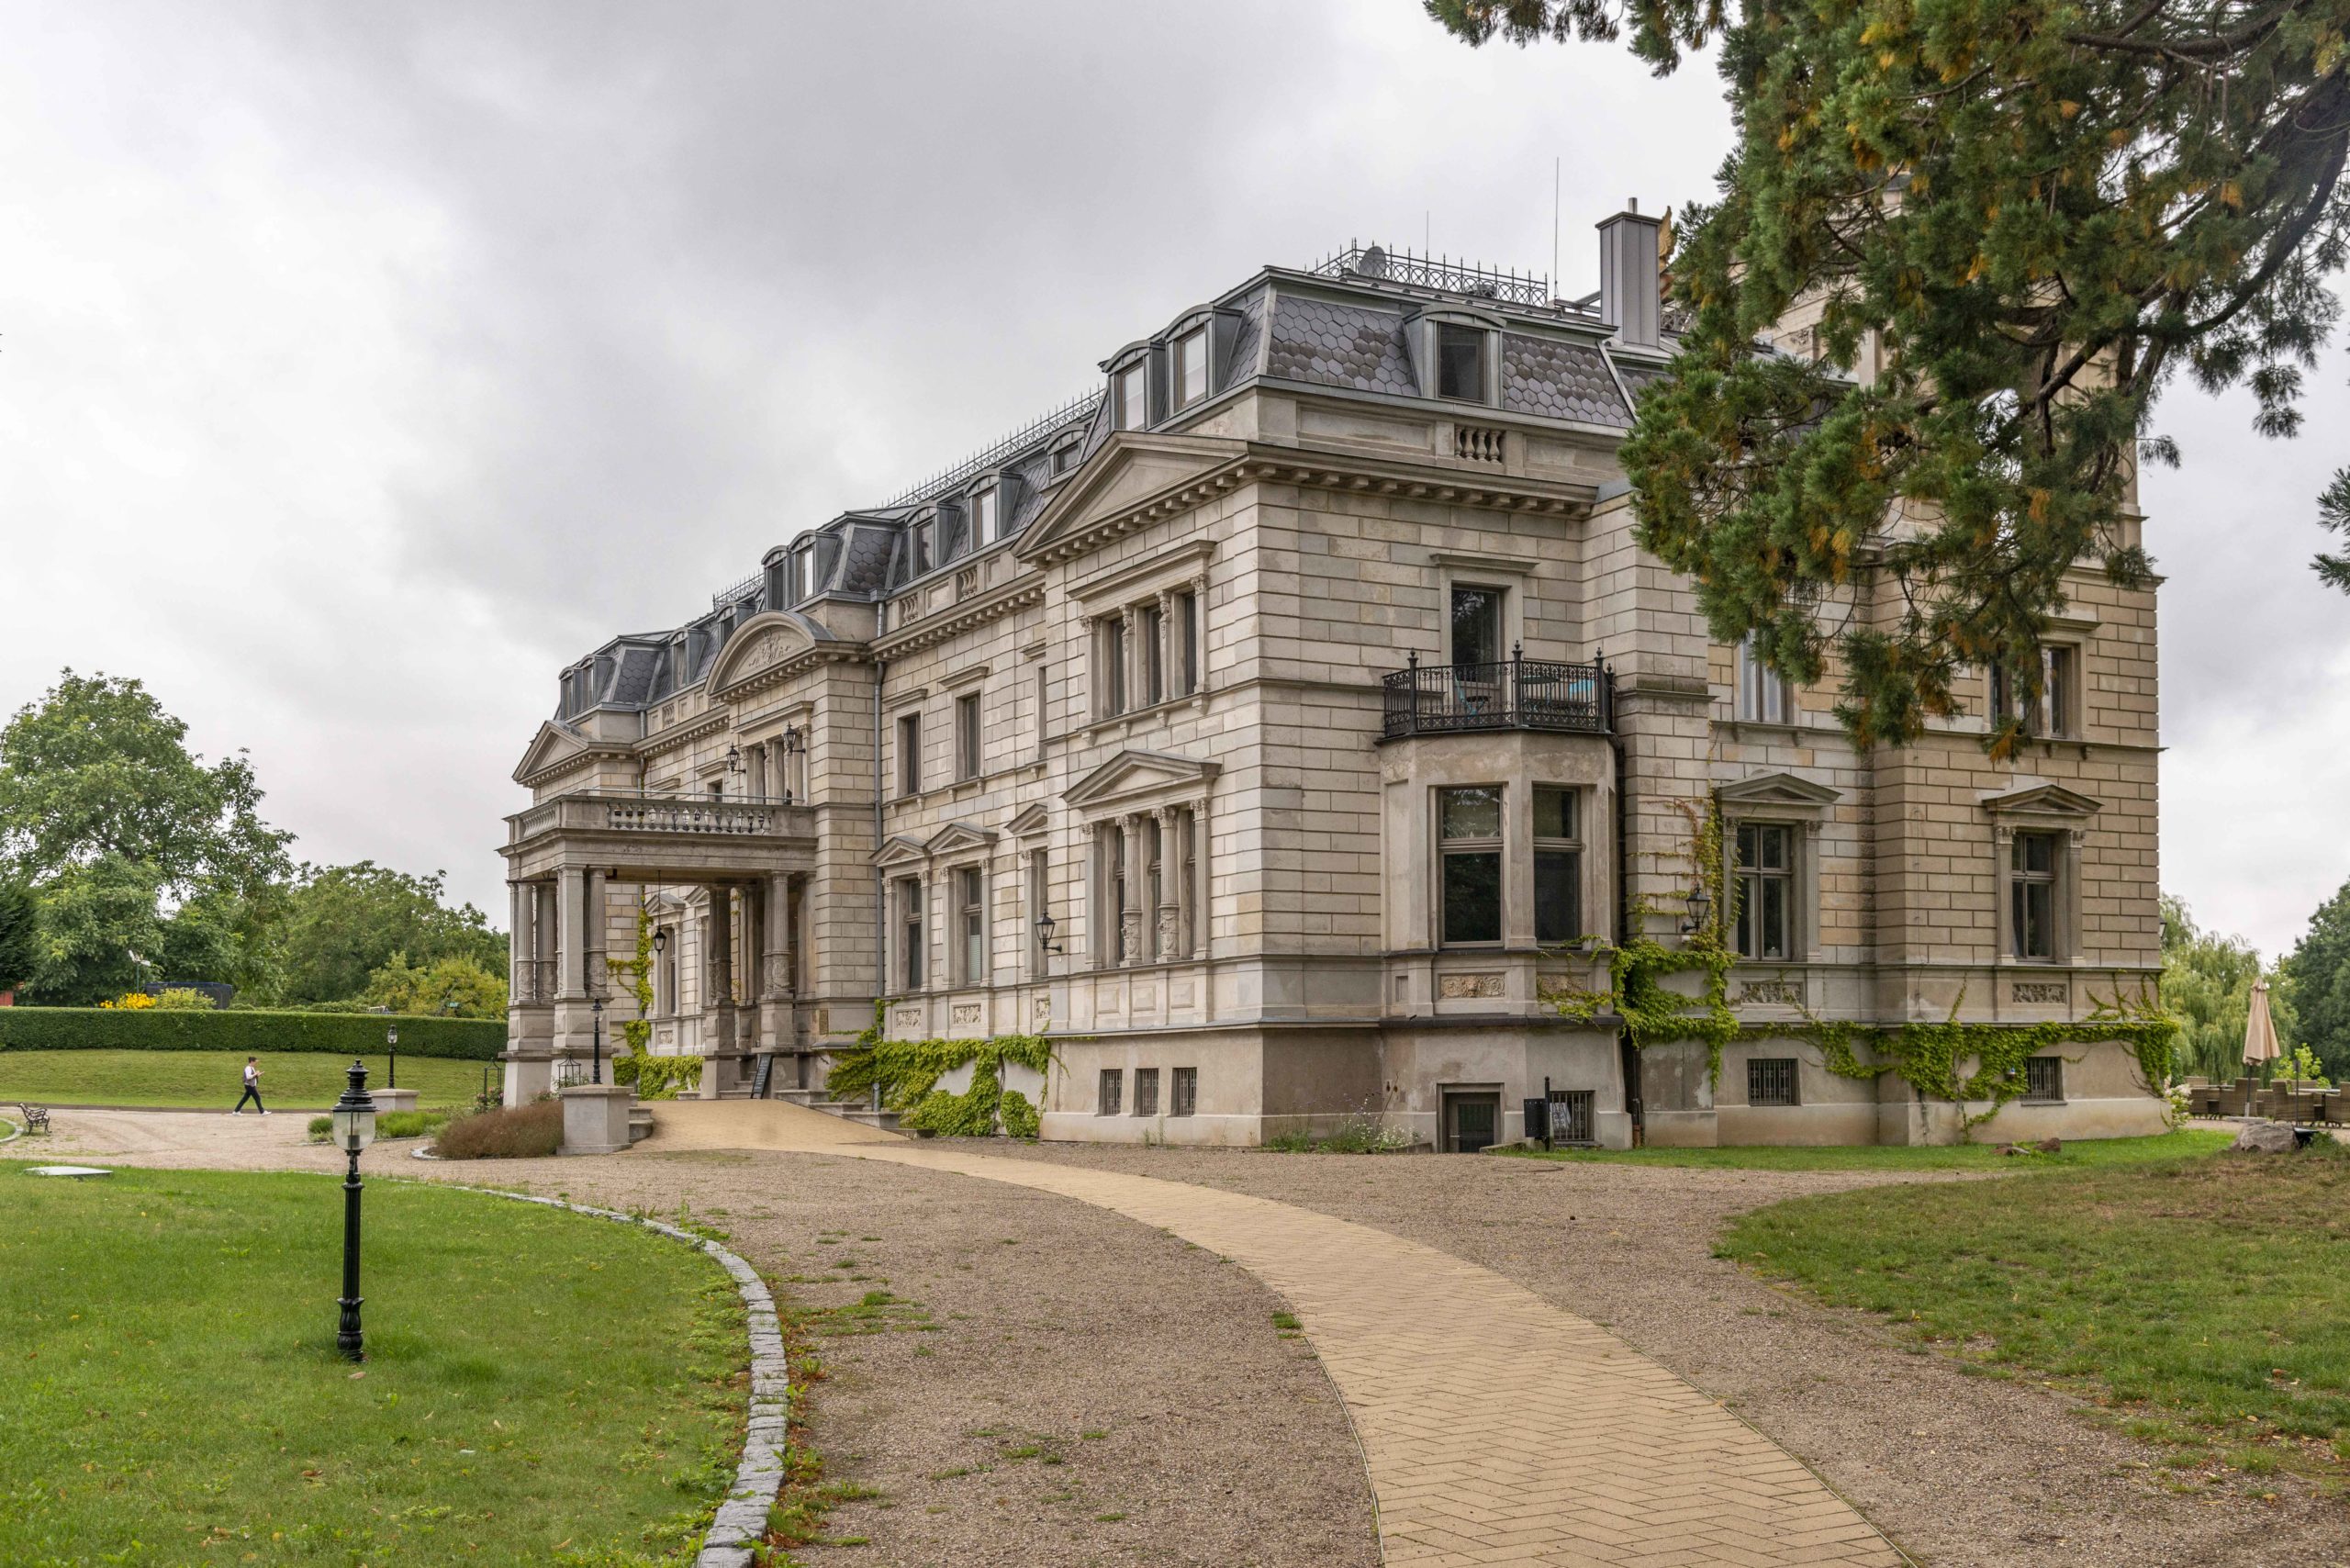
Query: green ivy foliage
point(658, 1078)
point(907, 1072)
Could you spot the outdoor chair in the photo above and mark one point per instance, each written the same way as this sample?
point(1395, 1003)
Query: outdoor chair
point(36, 1116)
point(2229, 1102)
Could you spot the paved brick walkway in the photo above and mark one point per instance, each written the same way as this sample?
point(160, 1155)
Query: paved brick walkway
point(1497, 1429)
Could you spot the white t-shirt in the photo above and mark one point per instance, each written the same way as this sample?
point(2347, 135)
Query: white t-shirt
point(253, 1075)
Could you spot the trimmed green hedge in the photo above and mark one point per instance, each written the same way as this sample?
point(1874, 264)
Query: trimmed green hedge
point(251, 1031)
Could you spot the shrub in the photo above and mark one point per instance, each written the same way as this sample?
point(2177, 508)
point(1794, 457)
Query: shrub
point(526, 1132)
point(657, 1078)
point(1020, 1117)
point(248, 1032)
point(182, 1000)
point(390, 1123)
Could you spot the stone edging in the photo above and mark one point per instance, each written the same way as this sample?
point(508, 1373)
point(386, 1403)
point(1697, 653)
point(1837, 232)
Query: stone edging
point(14, 1132)
point(742, 1518)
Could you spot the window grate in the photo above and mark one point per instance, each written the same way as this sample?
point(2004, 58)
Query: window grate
point(1113, 1087)
point(1574, 1116)
point(1771, 1080)
point(1186, 1092)
point(1145, 1091)
point(2043, 1078)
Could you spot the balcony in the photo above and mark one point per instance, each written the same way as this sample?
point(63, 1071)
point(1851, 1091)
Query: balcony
point(1509, 694)
point(685, 837)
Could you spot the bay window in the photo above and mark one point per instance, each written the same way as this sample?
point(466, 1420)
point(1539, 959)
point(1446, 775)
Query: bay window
point(1469, 828)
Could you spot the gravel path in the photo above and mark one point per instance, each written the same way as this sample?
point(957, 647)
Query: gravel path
point(1050, 1385)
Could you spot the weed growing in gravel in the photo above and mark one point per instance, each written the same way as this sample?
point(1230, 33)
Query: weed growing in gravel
point(1362, 1133)
point(1287, 1322)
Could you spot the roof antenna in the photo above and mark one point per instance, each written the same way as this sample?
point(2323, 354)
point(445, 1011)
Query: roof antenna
point(1554, 225)
point(1427, 227)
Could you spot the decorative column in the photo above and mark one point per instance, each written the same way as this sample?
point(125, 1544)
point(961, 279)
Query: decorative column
point(518, 945)
point(719, 945)
point(1136, 858)
point(1137, 671)
point(1200, 884)
point(571, 934)
point(597, 923)
point(1169, 915)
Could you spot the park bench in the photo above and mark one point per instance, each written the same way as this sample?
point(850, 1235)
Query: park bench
point(36, 1116)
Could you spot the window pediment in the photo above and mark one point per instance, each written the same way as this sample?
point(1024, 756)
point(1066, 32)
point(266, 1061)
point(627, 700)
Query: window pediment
point(1132, 469)
point(1029, 820)
point(761, 641)
point(1784, 794)
point(900, 850)
point(957, 837)
point(1137, 778)
point(2039, 799)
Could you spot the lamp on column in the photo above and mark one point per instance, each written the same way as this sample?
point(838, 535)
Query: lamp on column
point(792, 745)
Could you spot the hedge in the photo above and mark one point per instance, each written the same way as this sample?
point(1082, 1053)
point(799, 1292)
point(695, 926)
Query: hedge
point(251, 1031)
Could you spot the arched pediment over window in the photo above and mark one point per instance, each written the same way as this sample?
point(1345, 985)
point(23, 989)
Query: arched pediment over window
point(762, 643)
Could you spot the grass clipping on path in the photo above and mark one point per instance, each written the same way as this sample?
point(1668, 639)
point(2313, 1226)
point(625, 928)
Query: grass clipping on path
point(2206, 1302)
point(290, 1080)
point(519, 1132)
point(541, 1386)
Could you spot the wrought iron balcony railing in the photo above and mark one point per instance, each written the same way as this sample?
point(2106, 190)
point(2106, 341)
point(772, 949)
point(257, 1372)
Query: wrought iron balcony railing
point(1515, 693)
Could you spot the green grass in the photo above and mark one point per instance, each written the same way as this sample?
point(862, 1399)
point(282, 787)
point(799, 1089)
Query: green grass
point(389, 1124)
point(293, 1081)
point(2205, 1300)
point(541, 1387)
point(2088, 1153)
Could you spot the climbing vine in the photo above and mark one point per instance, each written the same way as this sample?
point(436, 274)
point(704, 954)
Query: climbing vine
point(1928, 1057)
point(656, 1078)
point(907, 1073)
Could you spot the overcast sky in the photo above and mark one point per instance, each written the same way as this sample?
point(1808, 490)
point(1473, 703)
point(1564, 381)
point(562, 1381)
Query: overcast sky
point(362, 365)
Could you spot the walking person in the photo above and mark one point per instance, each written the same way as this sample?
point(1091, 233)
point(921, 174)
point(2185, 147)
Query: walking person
point(252, 1089)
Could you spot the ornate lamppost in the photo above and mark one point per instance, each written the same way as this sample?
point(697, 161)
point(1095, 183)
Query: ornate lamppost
point(595, 1010)
point(1045, 926)
point(392, 1052)
point(354, 1129)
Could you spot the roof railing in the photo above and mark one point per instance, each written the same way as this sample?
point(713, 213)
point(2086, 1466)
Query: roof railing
point(988, 456)
point(747, 589)
point(1448, 275)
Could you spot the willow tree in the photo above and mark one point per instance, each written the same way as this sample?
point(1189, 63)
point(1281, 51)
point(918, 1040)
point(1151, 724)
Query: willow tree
point(2021, 219)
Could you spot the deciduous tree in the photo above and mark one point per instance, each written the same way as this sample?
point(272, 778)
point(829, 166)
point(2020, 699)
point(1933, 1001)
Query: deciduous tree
point(2319, 969)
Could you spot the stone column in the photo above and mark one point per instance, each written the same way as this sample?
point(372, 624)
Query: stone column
point(517, 944)
point(1168, 917)
point(719, 968)
point(597, 925)
point(571, 933)
point(755, 770)
point(1137, 863)
point(1130, 619)
point(1170, 674)
point(1203, 883)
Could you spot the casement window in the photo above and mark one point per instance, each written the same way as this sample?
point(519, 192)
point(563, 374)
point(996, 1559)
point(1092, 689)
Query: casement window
point(983, 518)
point(803, 575)
point(971, 924)
point(1186, 641)
point(1469, 831)
point(1121, 853)
point(1064, 456)
point(2035, 862)
point(1460, 363)
point(1154, 655)
point(1763, 876)
point(1112, 1099)
point(1145, 1091)
point(1764, 698)
point(910, 948)
point(1476, 625)
point(1771, 1080)
point(1185, 1096)
point(967, 736)
point(1109, 666)
point(1558, 866)
point(2055, 713)
point(918, 549)
point(1192, 369)
point(1130, 394)
point(2044, 1080)
point(910, 755)
point(1040, 883)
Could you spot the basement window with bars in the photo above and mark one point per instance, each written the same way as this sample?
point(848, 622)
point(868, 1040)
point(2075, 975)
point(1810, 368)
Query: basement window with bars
point(1145, 1091)
point(1186, 1096)
point(1771, 1080)
point(2044, 1080)
point(1113, 1093)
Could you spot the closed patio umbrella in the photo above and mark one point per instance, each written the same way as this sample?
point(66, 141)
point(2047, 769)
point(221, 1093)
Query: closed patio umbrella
point(2259, 1029)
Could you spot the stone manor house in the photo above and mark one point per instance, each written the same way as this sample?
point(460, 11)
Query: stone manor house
point(1280, 727)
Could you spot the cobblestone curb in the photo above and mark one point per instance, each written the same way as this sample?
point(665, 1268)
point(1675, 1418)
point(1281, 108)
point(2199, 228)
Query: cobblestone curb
point(743, 1516)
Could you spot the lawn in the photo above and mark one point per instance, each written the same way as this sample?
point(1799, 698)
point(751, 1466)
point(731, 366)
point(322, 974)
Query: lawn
point(2090, 1153)
point(290, 1080)
point(2204, 1301)
point(540, 1387)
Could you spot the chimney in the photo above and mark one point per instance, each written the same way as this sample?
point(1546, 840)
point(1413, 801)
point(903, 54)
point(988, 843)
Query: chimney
point(1629, 268)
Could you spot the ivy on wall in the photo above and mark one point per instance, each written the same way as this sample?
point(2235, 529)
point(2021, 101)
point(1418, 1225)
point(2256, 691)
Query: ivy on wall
point(655, 1076)
point(1928, 1057)
point(907, 1072)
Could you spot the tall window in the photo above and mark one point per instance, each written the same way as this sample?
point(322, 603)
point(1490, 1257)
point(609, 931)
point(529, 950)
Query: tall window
point(1558, 866)
point(2055, 713)
point(1145, 1091)
point(1470, 839)
point(1765, 874)
point(1186, 1096)
point(910, 755)
point(2031, 896)
point(910, 938)
point(983, 518)
point(918, 549)
point(971, 911)
point(1476, 625)
point(1187, 640)
point(1040, 884)
point(1153, 654)
point(967, 736)
point(1190, 368)
point(1190, 829)
point(1130, 389)
point(1110, 666)
point(1113, 1096)
point(1762, 695)
point(1044, 705)
point(1460, 363)
point(1121, 858)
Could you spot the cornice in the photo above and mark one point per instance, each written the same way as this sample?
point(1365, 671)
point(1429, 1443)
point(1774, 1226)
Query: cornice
point(573, 762)
point(1018, 594)
point(782, 670)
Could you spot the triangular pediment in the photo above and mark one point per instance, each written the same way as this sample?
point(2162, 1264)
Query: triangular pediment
point(1129, 470)
point(1785, 790)
point(762, 641)
point(2043, 800)
point(898, 850)
point(1138, 777)
point(1033, 818)
point(955, 837)
point(552, 745)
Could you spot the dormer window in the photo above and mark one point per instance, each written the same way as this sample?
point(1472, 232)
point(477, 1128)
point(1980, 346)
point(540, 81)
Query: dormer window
point(1064, 456)
point(1130, 392)
point(983, 518)
point(1460, 363)
point(954, 533)
point(1191, 367)
point(803, 575)
point(918, 548)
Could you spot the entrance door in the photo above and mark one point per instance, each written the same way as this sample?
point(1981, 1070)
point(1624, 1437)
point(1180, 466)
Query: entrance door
point(1471, 1121)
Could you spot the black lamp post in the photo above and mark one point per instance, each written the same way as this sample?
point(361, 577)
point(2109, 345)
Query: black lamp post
point(595, 1010)
point(354, 1129)
point(392, 1052)
point(791, 744)
point(1699, 904)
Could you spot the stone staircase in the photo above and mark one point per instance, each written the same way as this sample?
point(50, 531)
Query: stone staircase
point(815, 1100)
point(640, 1123)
